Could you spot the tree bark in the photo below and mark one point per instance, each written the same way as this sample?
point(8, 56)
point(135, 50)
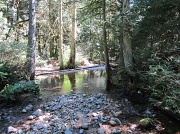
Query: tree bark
point(51, 46)
point(73, 34)
point(106, 55)
point(31, 41)
point(127, 42)
point(60, 36)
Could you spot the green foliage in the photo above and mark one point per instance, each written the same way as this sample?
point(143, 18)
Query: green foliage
point(10, 92)
point(162, 79)
point(12, 58)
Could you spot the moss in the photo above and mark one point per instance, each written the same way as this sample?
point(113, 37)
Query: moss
point(145, 123)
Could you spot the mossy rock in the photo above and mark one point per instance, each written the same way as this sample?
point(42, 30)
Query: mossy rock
point(145, 123)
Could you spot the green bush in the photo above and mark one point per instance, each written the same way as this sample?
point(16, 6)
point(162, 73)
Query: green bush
point(11, 92)
point(162, 79)
point(12, 59)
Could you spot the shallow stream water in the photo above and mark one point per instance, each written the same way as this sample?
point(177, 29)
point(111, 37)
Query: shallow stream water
point(89, 80)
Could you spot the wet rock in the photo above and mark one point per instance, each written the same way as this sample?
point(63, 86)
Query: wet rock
point(12, 130)
point(85, 126)
point(29, 107)
point(145, 123)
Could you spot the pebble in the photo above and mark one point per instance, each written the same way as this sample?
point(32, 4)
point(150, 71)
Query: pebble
point(71, 113)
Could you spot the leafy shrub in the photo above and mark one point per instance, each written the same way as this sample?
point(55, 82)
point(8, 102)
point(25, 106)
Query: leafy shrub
point(10, 73)
point(162, 79)
point(10, 92)
point(12, 59)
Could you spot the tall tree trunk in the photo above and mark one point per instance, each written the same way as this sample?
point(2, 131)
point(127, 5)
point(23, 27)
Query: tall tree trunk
point(106, 55)
point(73, 34)
point(90, 41)
point(31, 41)
point(127, 42)
point(60, 36)
point(17, 20)
point(51, 46)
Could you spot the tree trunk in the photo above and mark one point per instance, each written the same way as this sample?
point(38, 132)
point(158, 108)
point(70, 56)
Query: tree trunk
point(60, 36)
point(106, 55)
point(31, 41)
point(127, 43)
point(73, 34)
point(51, 46)
point(127, 52)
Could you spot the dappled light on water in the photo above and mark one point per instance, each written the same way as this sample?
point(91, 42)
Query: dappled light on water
point(87, 81)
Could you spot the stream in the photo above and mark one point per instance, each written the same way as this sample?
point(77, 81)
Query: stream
point(77, 101)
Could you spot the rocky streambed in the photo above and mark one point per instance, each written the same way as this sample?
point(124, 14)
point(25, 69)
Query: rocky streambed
point(80, 113)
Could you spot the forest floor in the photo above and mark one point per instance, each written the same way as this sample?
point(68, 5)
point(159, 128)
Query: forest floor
point(113, 112)
point(82, 114)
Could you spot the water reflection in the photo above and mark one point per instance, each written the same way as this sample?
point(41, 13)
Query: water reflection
point(86, 81)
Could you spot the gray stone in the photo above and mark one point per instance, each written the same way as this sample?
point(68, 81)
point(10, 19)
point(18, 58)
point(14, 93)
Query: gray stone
point(85, 126)
point(81, 131)
point(115, 131)
point(24, 111)
point(67, 131)
point(29, 107)
point(12, 130)
point(116, 114)
point(94, 114)
point(98, 95)
point(112, 123)
point(118, 122)
point(30, 117)
point(20, 131)
point(38, 112)
point(98, 107)
point(101, 130)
